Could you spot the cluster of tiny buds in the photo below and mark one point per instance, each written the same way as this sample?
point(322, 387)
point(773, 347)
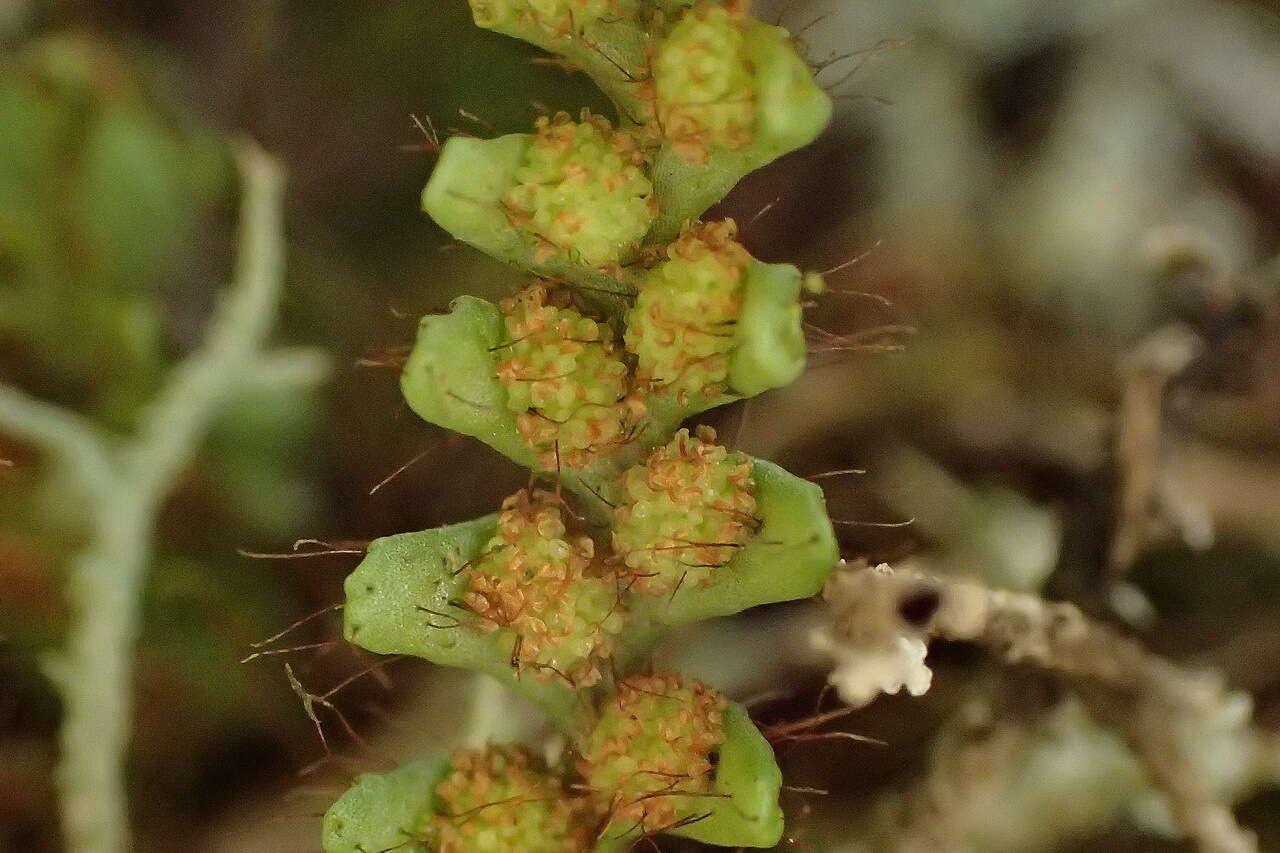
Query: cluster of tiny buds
point(566, 379)
point(503, 799)
point(685, 513)
point(582, 190)
point(682, 328)
point(542, 585)
point(649, 761)
point(703, 82)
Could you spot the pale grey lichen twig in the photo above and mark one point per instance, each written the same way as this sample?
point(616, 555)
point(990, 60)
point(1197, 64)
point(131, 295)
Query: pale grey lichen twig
point(126, 481)
point(1162, 709)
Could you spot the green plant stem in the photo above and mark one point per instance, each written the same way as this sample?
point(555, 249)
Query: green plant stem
point(126, 483)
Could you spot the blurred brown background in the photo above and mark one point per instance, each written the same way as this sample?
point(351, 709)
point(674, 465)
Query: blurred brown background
point(1069, 217)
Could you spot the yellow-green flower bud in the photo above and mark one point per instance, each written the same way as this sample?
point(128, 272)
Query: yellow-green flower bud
point(582, 190)
point(704, 83)
point(682, 328)
point(565, 378)
point(500, 800)
point(685, 513)
point(535, 581)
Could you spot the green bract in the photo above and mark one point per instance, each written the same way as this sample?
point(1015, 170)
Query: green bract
point(406, 597)
point(383, 811)
point(605, 38)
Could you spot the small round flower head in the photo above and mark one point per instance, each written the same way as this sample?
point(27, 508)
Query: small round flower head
point(704, 83)
point(582, 190)
point(499, 800)
point(683, 324)
point(684, 513)
point(535, 580)
point(649, 759)
point(566, 379)
point(552, 19)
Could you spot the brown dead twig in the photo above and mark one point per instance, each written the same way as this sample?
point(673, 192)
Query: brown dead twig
point(1159, 707)
point(1148, 371)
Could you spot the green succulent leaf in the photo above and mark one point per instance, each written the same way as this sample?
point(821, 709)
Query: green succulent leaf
point(604, 38)
point(381, 811)
point(399, 601)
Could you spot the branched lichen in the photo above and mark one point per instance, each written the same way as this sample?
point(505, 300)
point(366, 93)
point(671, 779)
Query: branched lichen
point(127, 482)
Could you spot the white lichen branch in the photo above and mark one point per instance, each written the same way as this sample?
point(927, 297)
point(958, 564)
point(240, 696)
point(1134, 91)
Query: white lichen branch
point(1163, 710)
point(126, 480)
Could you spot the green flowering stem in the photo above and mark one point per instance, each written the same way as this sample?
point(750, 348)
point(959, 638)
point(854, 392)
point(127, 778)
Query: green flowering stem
point(402, 598)
point(383, 811)
point(126, 482)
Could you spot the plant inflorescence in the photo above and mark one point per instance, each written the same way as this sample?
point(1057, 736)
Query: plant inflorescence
point(637, 317)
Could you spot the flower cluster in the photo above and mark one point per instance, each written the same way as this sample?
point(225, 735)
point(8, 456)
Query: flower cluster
point(499, 800)
point(649, 760)
point(685, 512)
point(565, 377)
point(682, 326)
point(583, 190)
point(703, 82)
point(542, 586)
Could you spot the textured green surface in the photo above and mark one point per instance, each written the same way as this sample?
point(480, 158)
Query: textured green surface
point(466, 196)
point(791, 110)
point(382, 811)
